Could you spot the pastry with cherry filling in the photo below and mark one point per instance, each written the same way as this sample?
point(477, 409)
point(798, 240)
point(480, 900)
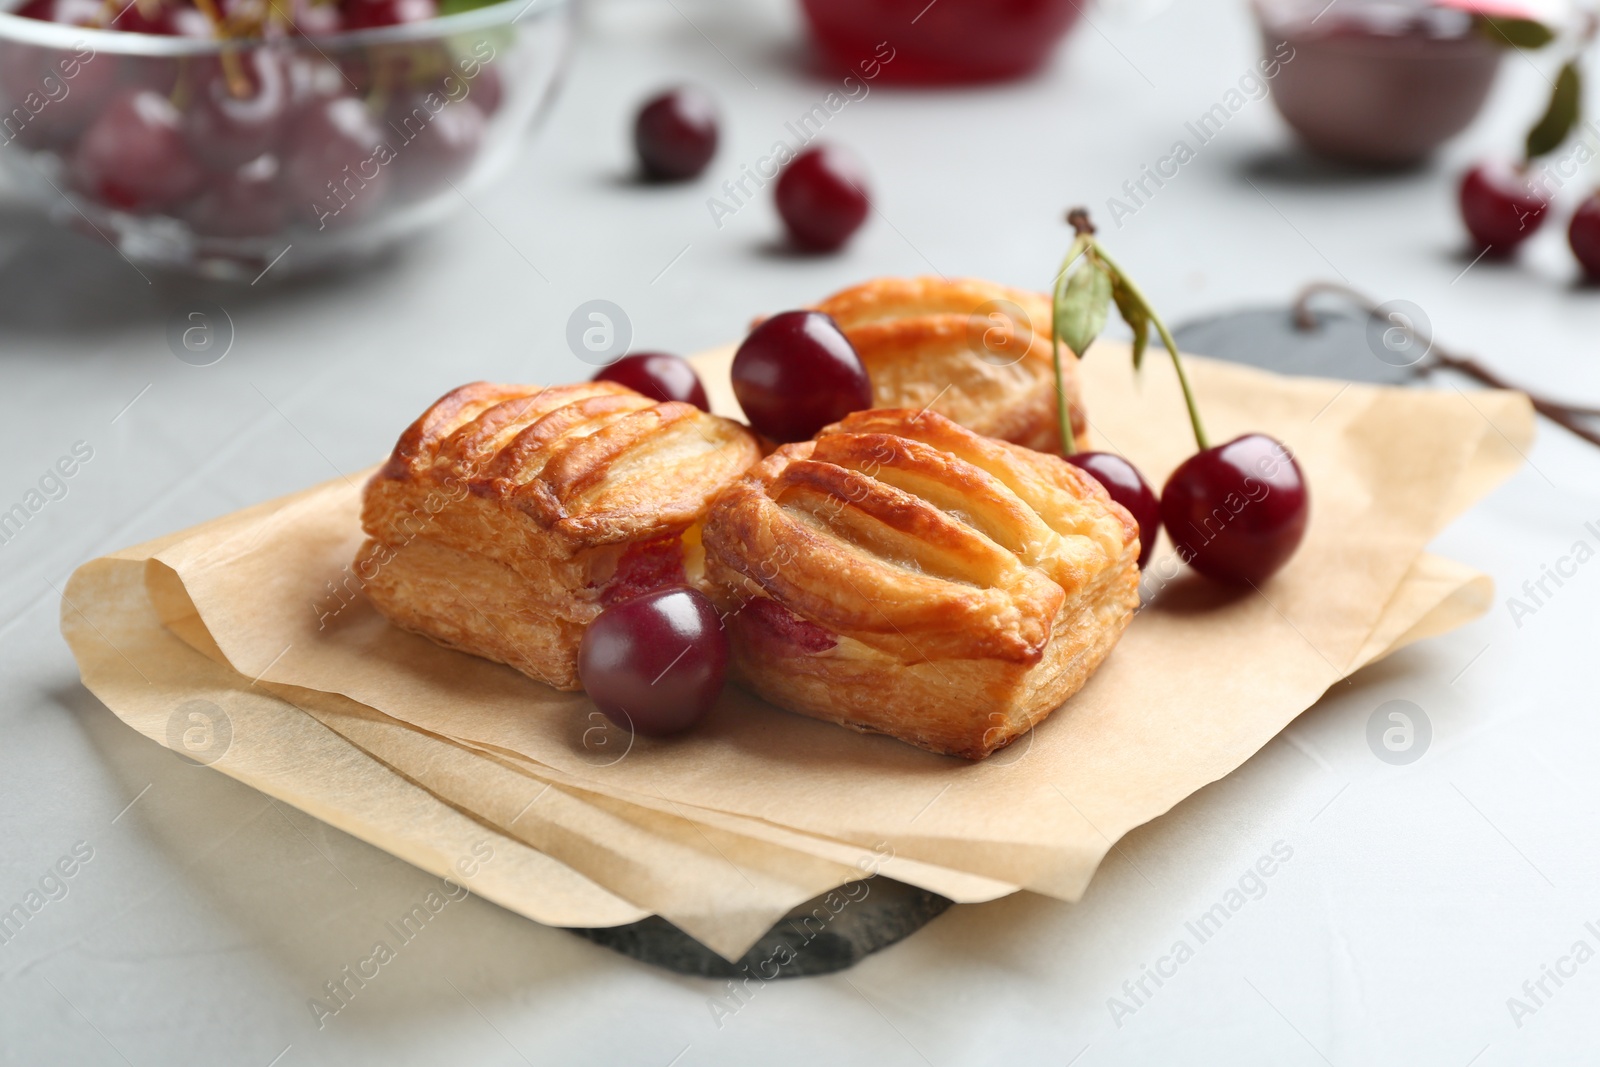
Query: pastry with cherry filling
point(901, 574)
point(509, 516)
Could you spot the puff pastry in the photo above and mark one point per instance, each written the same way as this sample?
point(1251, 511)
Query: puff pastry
point(901, 574)
point(973, 350)
point(509, 515)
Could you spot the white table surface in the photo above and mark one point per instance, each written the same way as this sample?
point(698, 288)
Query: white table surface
point(1418, 898)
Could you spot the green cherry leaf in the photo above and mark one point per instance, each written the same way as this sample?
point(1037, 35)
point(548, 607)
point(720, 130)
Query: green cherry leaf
point(1136, 315)
point(1081, 311)
point(1560, 116)
point(1516, 32)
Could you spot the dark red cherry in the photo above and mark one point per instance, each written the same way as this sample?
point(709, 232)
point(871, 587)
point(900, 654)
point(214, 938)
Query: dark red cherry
point(655, 664)
point(246, 202)
point(435, 141)
point(133, 157)
point(1500, 207)
point(1584, 236)
point(317, 20)
point(1128, 488)
point(796, 373)
point(370, 14)
point(659, 376)
point(822, 198)
point(59, 91)
point(151, 16)
point(1237, 512)
point(487, 90)
point(68, 12)
point(334, 172)
point(675, 134)
point(229, 123)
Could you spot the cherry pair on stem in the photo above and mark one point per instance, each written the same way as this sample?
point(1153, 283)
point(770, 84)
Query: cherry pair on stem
point(1235, 512)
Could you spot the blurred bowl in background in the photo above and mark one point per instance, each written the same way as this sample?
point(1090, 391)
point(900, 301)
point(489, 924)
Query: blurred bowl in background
point(1377, 84)
point(945, 42)
point(214, 157)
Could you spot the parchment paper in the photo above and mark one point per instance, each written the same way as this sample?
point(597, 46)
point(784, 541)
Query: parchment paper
point(1202, 679)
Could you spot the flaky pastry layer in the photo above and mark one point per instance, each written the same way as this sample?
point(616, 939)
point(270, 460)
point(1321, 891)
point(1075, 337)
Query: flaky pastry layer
point(904, 575)
point(508, 515)
point(972, 350)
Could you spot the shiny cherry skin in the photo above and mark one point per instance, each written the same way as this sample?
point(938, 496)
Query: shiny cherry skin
point(487, 90)
point(796, 373)
point(226, 131)
point(317, 20)
point(656, 663)
point(1128, 488)
point(68, 12)
point(822, 198)
point(659, 376)
point(149, 18)
point(134, 158)
point(433, 147)
point(1583, 234)
point(1500, 208)
point(370, 14)
point(246, 202)
point(675, 134)
point(1237, 512)
point(332, 173)
point(78, 82)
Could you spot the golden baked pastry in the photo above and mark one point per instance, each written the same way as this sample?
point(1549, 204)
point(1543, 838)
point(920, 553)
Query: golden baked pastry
point(509, 515)
point(904, 575)
point(973, 350)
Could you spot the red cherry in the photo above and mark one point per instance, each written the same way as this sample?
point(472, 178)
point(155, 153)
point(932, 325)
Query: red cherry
point(317, 20)
point(655, 664)
point(822, 198)
point(247, 202)
point(488, 92)
point(370, 14)
point(226, 131)
point(1500, 207)
point(150, 17)
point(1584, 236)
point(659, 376)
point(77, 82)
point(133, 157)
point(1128, 488)
point(433, 148)
point(796, 373)
point(675, 134)
point(333, 173)
point(68, 12)
point(1236, 512)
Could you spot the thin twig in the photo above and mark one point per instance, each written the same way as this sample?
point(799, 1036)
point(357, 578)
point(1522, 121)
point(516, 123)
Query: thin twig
point(1569, 416)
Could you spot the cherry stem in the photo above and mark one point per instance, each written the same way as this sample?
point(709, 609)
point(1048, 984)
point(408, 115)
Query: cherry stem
point(1201, 441)
point(1069, 443)
point(1569, 416)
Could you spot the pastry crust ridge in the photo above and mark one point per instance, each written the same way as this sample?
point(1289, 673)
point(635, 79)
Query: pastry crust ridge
point(508, 515)
point(975, 351)
point(904, 575)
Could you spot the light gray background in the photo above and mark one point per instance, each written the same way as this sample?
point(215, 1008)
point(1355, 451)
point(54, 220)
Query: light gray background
point(1418, 899)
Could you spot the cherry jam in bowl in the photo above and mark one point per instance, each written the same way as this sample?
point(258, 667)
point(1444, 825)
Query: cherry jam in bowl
point(306, 135)
point(950, 42)
point(1375, 83)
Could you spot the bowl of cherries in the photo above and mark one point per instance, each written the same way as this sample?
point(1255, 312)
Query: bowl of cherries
point(222, 136)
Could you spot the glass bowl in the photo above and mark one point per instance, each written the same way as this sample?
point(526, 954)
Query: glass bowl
point(225, 158)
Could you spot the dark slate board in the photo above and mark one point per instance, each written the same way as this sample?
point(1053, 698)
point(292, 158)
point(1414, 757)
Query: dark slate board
point(803, 943)
point(1346, 344)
